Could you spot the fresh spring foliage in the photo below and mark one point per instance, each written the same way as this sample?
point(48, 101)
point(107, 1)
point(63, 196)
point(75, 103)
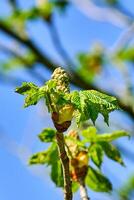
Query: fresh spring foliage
point(96, 145)
point(86, 104)
point(83, 105)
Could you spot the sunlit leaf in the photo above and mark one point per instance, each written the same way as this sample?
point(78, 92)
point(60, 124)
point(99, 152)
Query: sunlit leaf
point(89, 103)
point(75, 186)
point(112, 152)
point(97, 181)
point(96, 154)
point(109, 137)
point(33, 93)
point(47, 135)
point(89, 133)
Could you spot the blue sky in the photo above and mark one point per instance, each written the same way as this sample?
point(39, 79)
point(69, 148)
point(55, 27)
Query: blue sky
point(19, 126)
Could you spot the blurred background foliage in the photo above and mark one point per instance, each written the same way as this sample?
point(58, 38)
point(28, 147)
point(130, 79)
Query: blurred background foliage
point(93, 41)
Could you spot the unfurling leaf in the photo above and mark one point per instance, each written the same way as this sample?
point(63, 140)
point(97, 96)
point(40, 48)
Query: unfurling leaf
point(112, 152)
point(96, 154)
point(90, 103)
point(47, 135)
point(97, 181)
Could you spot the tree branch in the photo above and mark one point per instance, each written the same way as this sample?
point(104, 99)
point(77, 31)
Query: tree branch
point(29, 44)
point(65, 166)
point(29, 66)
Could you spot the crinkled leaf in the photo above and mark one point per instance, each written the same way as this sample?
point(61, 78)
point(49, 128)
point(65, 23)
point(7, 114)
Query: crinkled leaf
point(33, 93)
point(96, 181)
point(112, 152)
point(47, 135)
point(96, 154)
point(27, 88)
point(90, 103)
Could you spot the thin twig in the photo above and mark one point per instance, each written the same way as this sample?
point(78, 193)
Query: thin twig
point(65, 166)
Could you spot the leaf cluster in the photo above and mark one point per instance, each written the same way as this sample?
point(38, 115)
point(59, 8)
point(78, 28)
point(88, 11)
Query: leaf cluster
point(87, 104)
point(49, 157)
point(98, 145)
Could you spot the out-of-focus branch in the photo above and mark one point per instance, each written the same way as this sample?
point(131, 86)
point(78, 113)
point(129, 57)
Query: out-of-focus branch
point(13, 81)
point(29, 44)
point(110, 15)
point(13, 4)
point(28, 66)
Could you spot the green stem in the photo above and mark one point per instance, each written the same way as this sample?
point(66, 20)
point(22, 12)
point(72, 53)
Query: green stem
point(65, 166)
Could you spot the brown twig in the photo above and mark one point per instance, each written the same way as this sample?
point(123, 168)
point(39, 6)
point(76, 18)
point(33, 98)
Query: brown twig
point(65, 166)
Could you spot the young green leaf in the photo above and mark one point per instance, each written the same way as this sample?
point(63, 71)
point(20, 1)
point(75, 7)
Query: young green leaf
point(97, 181)
point(33, 93)
point(45, 157)
point(109, 137)
point(90, 103)
point(27, 88)
point(112, 152)
point(39, 158)
point(89, 133)
point(56, 169)
point(75, 186)
point(57, 174)
point(47, 135)
point(96, 154)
